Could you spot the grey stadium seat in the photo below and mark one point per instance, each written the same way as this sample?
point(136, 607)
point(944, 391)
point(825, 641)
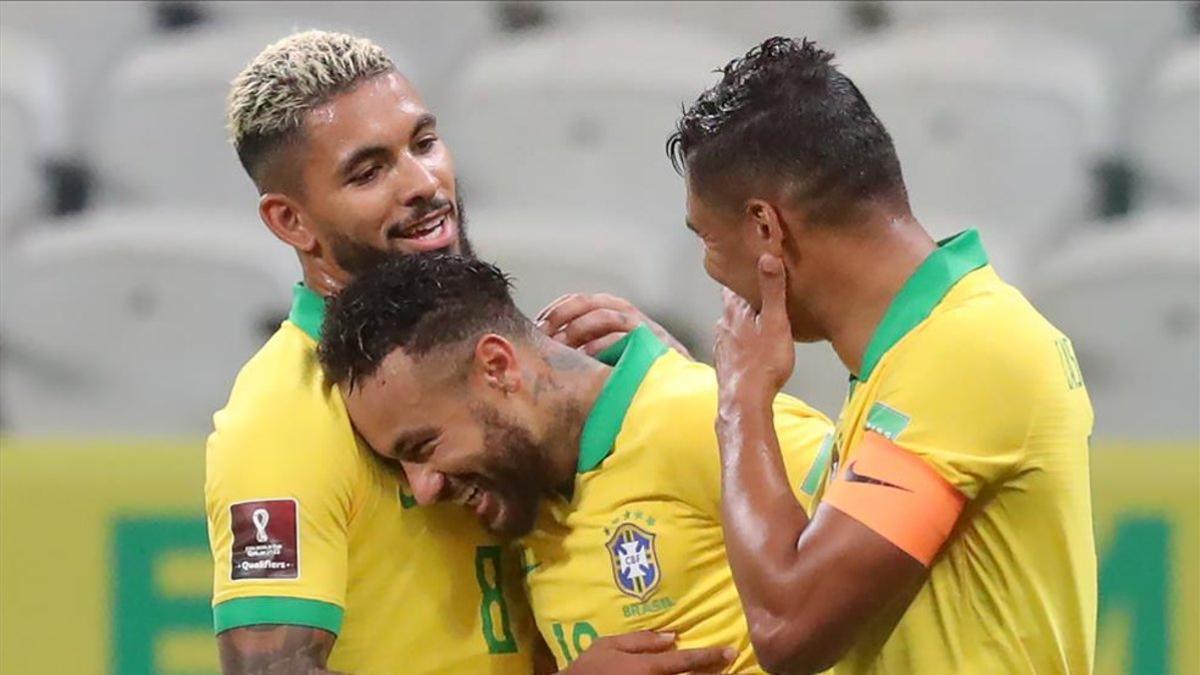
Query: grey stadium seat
point(122, 322)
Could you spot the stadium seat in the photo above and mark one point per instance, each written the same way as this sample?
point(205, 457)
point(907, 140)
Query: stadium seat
point(576, 119)
point(135, 322)
point(1131, 37)
point(992, 123)
point(162, 136)
point(1128, 296)
point(1168, 148)
point(749, 23)
point(33, 128)
point(437, 37)
point(87, 38)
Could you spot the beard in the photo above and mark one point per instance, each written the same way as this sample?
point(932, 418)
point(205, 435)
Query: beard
point(515, 472)
point(356, 257)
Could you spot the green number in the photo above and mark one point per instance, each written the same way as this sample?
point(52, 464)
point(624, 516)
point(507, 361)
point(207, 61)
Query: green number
point(493, 601)
point(562, 642)
point(581, 630)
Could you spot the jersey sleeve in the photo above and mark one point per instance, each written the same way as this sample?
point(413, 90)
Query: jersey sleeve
point(806, 442)
point(949, 421)
point(279, 497)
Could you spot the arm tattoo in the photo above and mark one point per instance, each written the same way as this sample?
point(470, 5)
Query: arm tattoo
point(275, 650)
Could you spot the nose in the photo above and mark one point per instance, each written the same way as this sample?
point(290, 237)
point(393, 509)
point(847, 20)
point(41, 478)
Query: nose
point(427, 484)
point(417, 183)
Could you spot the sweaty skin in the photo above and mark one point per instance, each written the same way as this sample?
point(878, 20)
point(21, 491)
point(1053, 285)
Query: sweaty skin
point(807, 586)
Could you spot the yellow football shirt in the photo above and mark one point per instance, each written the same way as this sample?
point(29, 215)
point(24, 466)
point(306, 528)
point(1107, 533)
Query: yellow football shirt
point(639, 545)
point(308, 529)
point(963, 377)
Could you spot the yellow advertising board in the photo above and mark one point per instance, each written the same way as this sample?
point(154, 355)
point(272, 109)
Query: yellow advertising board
point(104, 562)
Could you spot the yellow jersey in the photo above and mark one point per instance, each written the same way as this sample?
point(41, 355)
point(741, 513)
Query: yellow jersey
point(308, 529)
point(638, 544)
point(965, 381)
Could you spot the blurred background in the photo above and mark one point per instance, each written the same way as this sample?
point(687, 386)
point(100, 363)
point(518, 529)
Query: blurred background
point(135, 277)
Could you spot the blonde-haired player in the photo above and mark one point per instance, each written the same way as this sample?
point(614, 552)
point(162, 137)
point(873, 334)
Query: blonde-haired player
point(322, 559)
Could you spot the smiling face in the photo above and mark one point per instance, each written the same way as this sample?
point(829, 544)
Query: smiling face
point(375, 176)
point(457, 439)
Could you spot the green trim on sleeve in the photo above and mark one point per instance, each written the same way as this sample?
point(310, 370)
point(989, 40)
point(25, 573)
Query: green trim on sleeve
point(277, 610)
point(631, 359)
point(954, 258)
point(308, 310)
point(816, 472)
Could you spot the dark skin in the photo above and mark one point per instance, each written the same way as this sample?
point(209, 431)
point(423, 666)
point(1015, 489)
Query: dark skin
point(370, 169)
point(809, 587)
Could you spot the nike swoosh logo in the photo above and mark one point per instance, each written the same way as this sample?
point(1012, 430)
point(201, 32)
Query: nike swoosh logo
point(854, 477)
point(526, 569)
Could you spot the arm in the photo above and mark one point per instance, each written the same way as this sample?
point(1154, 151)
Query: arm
point(807, 586)
point(647, 653)
point(275, 650)
point(595, 321)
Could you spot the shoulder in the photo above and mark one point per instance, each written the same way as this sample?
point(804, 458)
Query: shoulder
point(986, 336)
point(282, 413)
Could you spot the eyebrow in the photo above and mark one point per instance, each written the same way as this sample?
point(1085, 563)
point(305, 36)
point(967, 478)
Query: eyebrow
point(381, 151)
point(409, 441)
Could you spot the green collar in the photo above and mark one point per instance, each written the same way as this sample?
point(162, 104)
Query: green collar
point(953, 259)
point(308, 311)
point(631, 359)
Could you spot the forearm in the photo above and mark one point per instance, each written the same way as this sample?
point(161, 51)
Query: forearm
point(763, 519)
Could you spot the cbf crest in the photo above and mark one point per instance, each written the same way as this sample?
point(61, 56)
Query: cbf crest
point(634, 561)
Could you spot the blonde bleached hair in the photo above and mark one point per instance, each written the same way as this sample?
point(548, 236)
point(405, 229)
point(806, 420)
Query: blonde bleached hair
point(270, 97)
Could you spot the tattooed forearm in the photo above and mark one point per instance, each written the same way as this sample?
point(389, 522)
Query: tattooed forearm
point(275, 650)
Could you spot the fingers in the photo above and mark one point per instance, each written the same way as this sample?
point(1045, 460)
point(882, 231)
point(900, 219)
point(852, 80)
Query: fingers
point(570, 307)
point(772, 285)
point(596, 346)
point(641, 642)
point(594, 325)
point(690, 660)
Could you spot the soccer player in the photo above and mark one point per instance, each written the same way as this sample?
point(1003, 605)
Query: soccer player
point(955, 533)
point(608, 469)
point(322, 559)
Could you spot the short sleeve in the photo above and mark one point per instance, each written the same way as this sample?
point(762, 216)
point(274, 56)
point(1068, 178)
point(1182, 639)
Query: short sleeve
point(279, 496)
point(806, 442)
point(961, 399)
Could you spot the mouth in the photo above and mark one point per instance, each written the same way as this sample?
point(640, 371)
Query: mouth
point(435, 231)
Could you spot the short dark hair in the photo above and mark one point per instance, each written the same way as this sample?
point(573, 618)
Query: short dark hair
point(784, 113)
point(416, 303)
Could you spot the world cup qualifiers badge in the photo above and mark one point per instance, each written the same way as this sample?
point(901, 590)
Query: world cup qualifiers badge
point(634, 560)
point(265, 539)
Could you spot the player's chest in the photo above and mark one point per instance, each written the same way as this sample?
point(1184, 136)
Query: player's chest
point(619, 564)
point(851, 423)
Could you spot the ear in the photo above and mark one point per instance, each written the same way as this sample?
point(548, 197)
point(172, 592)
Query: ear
point(767, 225)
point(283, 216)
point(496, 364)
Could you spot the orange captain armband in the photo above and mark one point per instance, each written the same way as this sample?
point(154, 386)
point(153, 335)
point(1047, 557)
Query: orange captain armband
point(898, 495)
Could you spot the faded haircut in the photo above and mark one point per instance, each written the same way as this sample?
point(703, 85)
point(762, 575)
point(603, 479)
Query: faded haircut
point(417, 303)
point(270, 97)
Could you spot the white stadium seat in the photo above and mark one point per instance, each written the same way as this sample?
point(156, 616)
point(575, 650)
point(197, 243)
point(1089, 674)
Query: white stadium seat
point(577, 118)
point(87, 38)
point(1129, 298)
point(135, 321)
point(1168, 148)
point(1131, 37)
point(746, 24)
point(437, 36)
point(33, 127)
point(162, 136)
point(991, 123)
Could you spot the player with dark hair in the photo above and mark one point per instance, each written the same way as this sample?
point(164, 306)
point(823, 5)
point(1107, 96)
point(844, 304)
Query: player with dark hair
point(608, 470)
point(955, 532)
point(321, 558)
